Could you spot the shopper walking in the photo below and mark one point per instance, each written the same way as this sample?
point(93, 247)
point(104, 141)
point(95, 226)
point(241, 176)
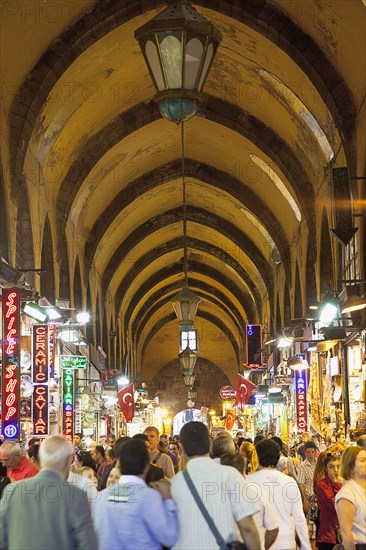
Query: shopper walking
point(351, 499)
point(326, 489)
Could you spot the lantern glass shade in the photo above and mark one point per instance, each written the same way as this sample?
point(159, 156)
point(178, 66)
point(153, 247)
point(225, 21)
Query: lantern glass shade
point(189, 380)
point(192, 394)
point(185, 305)
point(179, 46)
point(187, 359)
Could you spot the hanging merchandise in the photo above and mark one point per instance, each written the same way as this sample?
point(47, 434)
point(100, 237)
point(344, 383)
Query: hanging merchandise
point(316, 409)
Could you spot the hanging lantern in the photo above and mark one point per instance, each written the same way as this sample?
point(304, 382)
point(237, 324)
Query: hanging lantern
point(187, 360)
point(179, 46)
point(189, 381)
point(185, 305)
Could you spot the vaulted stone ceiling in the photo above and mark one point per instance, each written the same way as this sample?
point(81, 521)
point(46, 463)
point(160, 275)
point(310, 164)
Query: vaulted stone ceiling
point(82, 138)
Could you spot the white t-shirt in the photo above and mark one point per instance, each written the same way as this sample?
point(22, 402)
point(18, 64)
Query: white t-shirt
point(266, 519)
point(224, 494)
point(353, 492)
point(284, 493)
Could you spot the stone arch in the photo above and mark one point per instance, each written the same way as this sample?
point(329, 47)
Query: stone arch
point(286, 305)
point(311, 294)
point(325, 257)
point(47, 264)
point(97, 322)
point(78, 302)
point(64, 291)
point(4, 239)
point(298, 310)
point(24, 235)
point(209, 379)
point(279, 320)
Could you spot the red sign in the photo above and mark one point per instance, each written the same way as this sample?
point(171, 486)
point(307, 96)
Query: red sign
point(227, 392)
point(51, 349)
point(40, 380)
point(11, 364)
point(301, 401)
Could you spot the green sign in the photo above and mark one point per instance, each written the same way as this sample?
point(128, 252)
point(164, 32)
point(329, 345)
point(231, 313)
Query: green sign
point(73, 362)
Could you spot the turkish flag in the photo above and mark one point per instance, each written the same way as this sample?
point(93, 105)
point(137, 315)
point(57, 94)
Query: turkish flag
point(244, 389)
point(126, 402)
point(230, 419)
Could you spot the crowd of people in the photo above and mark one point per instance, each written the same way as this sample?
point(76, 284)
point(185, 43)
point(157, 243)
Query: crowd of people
point(186, 492)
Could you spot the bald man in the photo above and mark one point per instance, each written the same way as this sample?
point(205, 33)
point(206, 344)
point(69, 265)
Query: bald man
point(18, 466)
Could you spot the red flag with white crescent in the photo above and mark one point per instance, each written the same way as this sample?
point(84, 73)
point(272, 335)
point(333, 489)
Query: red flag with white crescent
point(126, 402)
point(244, 389)
point(230, 420)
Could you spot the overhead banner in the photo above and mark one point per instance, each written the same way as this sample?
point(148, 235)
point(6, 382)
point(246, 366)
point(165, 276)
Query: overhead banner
point(301, 401)
point(40, 364)
point(10, 404)
point(68, 403)
point(253, 346)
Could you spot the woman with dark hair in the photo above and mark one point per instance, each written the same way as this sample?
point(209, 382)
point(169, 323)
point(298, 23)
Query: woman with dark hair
point(326, 487)
point(83, 458)
point(4, 479)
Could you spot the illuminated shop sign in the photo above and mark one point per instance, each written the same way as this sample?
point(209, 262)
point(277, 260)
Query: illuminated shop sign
point(40, 362)
point(253, 346)
point(301, 401)
point(51, 350)
point(73, 362)
point(68, 403)
point(11, 364)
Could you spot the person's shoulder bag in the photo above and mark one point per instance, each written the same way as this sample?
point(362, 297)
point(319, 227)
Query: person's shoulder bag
point(235, 545)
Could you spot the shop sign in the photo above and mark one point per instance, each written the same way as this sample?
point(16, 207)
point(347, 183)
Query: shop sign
point(51, 350)
point(11, 364)
point(253, 345)
point(40, 362)
point(301, 401)
point(227, 392)
point(73, 361)
point(68, 404)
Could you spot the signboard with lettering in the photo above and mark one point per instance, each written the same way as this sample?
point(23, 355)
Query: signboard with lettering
point(73, 362)
point(68, 404)
point(227, 392)
point(253, 346)
point(10, 404)
point(51, 349)
point(301, 401)
point(40, 362)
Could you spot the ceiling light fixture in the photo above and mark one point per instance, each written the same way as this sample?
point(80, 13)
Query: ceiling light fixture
point(179, 46)
point(35, 312)
point(295, 363)
point(354, 303)
point(328, 309)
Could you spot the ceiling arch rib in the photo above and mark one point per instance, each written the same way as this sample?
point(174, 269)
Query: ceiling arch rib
point(261, 16)
point(123, 289)
point(240, 123)
point(203, 315)
point(158, 277)
point(201, 172)
point(205, 291)
point(200, 216)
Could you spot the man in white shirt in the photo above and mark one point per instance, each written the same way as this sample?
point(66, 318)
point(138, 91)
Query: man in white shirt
point(284, 493)
point(223, 492)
